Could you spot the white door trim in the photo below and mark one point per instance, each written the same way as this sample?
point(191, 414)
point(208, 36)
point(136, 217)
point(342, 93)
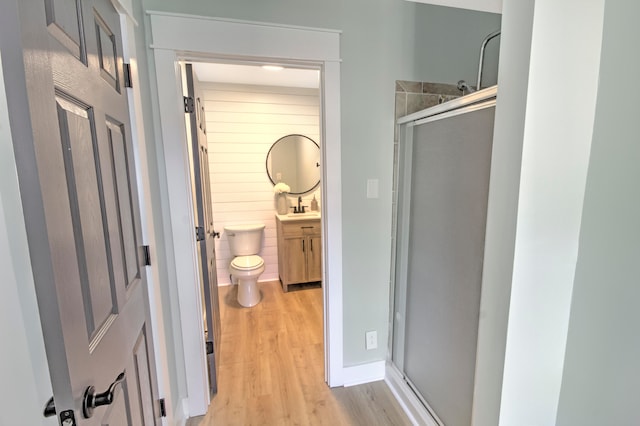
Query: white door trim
point(177, 36)
point(155, 315)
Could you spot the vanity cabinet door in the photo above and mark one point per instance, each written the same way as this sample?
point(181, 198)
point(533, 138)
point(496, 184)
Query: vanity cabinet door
point(314, 259)
point(294, 261)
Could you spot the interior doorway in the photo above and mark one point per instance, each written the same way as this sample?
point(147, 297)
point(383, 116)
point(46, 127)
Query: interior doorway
point(306, 47)
point(247, 108)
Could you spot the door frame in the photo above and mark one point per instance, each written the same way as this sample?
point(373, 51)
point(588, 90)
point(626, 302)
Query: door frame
point(176, 37)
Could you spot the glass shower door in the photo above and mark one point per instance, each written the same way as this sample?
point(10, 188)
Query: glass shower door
point(443, 188)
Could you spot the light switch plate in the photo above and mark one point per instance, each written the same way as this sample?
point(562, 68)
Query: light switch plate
point(372, 188)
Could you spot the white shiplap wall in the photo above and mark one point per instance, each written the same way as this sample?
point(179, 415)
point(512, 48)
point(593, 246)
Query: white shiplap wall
point(243, 121)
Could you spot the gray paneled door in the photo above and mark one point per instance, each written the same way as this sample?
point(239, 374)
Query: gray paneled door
point(205, 231)
point(78, 183)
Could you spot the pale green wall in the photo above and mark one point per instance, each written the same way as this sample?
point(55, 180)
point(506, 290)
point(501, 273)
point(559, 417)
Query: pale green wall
point(448, 44)
point(24, 372)
point(558, 125)
point(602, 362)
point(378, 46)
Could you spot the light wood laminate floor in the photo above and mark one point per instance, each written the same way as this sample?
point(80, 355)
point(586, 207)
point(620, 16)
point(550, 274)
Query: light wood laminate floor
point(272, 368)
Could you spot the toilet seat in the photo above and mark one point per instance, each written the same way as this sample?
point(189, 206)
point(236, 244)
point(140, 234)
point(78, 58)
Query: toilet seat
point(247, 263)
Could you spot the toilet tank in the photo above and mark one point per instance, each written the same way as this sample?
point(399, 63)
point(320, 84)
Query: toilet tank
point(244, 240)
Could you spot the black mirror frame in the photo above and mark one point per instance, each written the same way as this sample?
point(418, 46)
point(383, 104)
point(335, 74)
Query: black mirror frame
point(266, 163)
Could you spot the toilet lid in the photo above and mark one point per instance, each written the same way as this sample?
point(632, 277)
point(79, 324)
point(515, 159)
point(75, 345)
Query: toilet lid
point(247, 262)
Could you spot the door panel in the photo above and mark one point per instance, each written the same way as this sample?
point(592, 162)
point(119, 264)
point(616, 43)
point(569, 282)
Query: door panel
point(78, 186)
point(78, 146)
point(212, 303)
point(143, 378)
point(64, 23)
point(296, 263)
point(204, 219)
point(126, 212)
point(314, 259)
point(107, 53)
point(138, 387)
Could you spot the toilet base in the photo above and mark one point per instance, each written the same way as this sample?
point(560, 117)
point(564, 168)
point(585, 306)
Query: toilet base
point(248, 293)
point(247, 279)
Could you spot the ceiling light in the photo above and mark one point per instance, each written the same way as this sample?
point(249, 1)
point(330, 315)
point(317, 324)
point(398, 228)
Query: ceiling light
point(273, 67)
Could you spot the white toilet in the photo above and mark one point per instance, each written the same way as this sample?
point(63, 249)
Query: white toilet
point(245, 242)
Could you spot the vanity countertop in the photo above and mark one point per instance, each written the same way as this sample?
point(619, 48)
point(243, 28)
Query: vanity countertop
point(298, 216)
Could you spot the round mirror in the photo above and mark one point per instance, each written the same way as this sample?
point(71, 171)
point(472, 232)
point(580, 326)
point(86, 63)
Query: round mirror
point(295, 160)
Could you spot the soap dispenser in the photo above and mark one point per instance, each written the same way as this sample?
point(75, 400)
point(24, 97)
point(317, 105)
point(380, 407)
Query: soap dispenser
point(314, 204)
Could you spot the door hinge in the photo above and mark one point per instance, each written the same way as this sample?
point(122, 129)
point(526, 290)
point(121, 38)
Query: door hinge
point(189, 105)
point(127, 75)
point(199, 233)
point(163, 407)
point(146, 256)
point(209, 347)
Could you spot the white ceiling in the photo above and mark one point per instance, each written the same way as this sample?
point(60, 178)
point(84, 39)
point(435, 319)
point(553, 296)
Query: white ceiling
point(252, 74)
point(494, 6)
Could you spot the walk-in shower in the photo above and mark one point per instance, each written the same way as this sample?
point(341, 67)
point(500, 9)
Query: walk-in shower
point(443, 172)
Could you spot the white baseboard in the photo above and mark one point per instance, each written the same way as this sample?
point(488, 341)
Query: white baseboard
point(364, 373)
point(409, 402)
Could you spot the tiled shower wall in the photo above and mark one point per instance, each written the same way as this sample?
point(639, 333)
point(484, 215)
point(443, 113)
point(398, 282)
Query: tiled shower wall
point(412, 96)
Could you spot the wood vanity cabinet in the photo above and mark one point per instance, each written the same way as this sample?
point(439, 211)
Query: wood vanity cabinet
point(299, 251)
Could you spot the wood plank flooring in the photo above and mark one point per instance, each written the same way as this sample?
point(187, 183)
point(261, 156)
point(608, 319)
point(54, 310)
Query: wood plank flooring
point(272, 368)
